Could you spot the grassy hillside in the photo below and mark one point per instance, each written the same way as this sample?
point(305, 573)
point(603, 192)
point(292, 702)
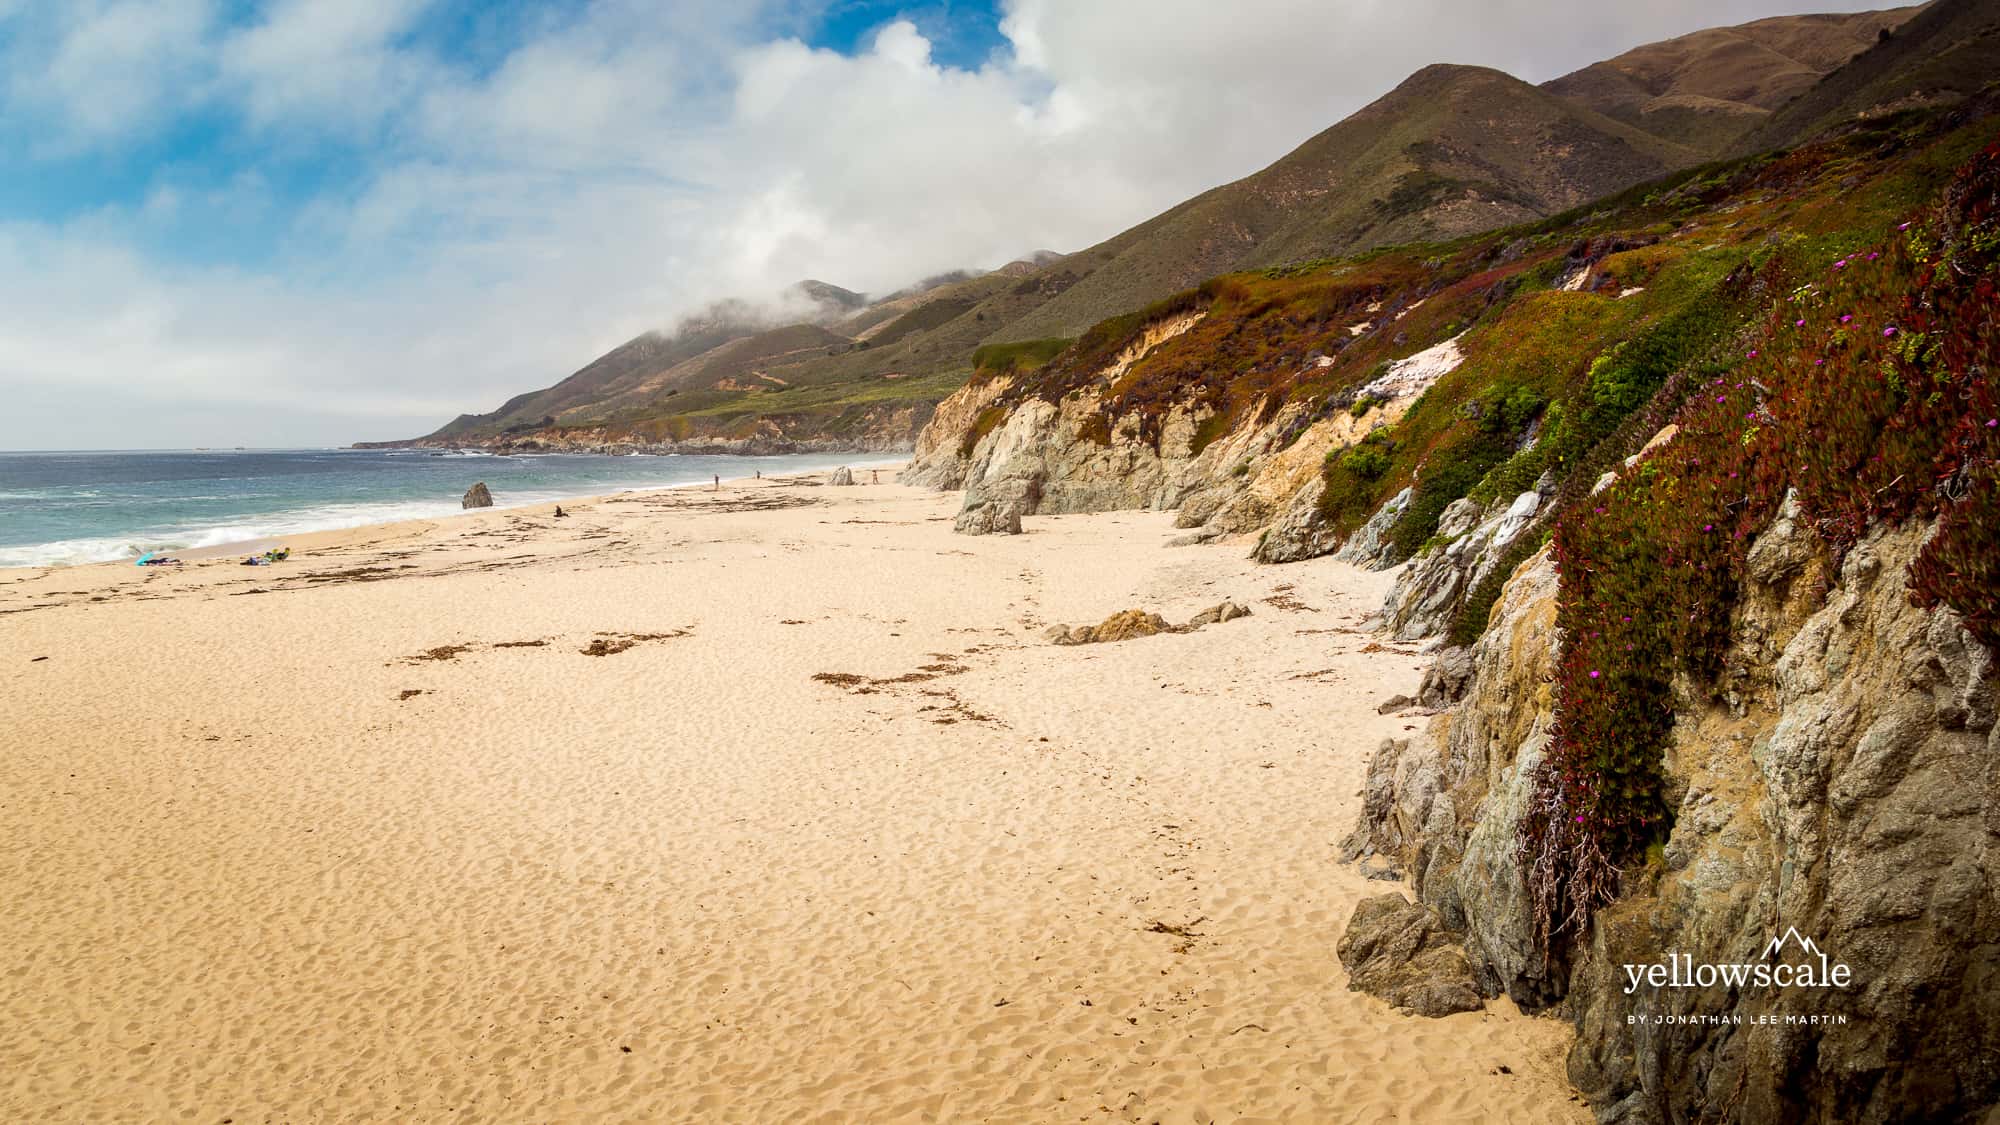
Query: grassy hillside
point(1452, 151)
point(1947, 52)
point(1819, 321)
point(1707, 89)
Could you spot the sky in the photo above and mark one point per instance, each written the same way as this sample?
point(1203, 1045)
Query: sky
point(311, 222)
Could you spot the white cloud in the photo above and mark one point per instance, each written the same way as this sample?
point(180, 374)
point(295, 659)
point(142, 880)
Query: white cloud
point(627, 162)
point(103, 69)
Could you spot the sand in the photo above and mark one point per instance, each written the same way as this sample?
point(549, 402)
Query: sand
point(827, 833)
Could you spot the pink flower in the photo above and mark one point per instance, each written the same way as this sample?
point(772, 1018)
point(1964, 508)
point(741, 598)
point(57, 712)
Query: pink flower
point(1905, 226)
point(1889, 331)
point(1593, 673)
point(1845, 317)
point(1753, 353)
point(1799, 323)
point(1841, 264)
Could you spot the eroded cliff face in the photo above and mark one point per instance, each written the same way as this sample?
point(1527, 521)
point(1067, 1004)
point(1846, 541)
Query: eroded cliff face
point(1846, 789)
point(1446, 804)
point(1842, 781)
point(1073, 455)
point(941, 455)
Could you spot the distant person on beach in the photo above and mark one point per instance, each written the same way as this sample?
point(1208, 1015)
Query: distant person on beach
point(875, 476)
point(560, 514)
point(718, 483)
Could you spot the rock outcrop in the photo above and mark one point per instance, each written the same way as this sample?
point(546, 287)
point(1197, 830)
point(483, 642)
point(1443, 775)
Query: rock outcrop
point(1129, 623)
point(1445, 804)
point(1396, 950)
point(1037, 456)
point(1473, 541)
point(992, 515)
point(1845, 790)
point(941, 455)
point(1839, 781)
point(841, 476)
point(1371, 546)
point(477, 497)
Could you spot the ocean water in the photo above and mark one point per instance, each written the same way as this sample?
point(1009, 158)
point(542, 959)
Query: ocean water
point(65, 508)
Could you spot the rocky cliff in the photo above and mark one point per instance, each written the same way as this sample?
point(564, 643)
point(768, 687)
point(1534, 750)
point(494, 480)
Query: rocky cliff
point(1694, 504)
point(1844, 785)
point(1822, 743)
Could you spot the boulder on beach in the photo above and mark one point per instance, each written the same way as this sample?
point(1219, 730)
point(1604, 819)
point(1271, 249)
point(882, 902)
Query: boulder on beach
point(1216, 614)
point(842, 475)
point(991, 517)
point(1129, 623)
point(477, 497)
point(1397, 950)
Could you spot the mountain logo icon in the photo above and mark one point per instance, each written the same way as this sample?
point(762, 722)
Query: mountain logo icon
point(1790, 936)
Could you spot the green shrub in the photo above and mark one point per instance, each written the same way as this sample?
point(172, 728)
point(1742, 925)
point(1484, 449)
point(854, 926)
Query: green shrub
point(1366, 461)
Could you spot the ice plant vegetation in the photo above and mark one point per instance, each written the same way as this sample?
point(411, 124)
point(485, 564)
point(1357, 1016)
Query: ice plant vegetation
point(1869, 394)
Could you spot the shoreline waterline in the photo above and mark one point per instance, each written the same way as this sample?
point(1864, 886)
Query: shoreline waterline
point(46, 522)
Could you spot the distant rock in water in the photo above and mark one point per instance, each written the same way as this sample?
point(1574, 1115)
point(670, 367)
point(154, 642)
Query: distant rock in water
point(477, 497)
point(842, 475)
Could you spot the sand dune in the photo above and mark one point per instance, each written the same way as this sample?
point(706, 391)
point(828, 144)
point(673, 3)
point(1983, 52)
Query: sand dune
point(372, 836)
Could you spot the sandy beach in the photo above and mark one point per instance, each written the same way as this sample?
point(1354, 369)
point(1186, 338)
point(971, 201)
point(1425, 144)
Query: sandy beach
point(762, 804)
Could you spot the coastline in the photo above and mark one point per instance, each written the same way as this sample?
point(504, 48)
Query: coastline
point(258, 543)
point(370, 532)
point(763, 801)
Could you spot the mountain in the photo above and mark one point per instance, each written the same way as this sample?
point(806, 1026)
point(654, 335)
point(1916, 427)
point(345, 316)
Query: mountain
point(646, 356)
point(1452, 151)
point(1708, 89)
point(1947, 52)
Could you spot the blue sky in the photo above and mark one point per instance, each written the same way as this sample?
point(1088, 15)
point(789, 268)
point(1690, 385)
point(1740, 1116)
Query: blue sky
point(267, 222)
point(208, 148)
point(961, 34)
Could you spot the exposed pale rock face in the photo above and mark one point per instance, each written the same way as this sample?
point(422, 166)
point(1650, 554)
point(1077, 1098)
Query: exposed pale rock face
point(842, 475)
point(1447, 679)
point(1298, 533)
point(1408, 378)
point(1056, 457)
point(477, 497)
point(1489, 888)
point(993, 515)
point(938, 460)
point(1428, 593)
point(1371, 546)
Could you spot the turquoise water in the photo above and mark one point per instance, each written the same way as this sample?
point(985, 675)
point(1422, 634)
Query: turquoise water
point(63, 508)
